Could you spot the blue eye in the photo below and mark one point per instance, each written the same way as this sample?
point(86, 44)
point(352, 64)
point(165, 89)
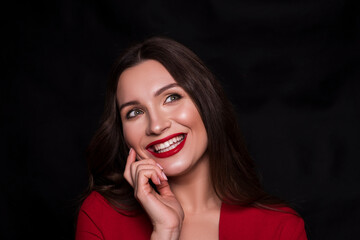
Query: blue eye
point(133, 113)
point(172, 98)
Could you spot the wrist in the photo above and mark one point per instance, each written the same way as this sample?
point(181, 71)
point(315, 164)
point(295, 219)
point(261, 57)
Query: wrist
point(168, 234)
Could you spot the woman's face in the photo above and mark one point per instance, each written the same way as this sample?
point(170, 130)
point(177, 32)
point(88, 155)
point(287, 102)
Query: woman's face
point(160, 120)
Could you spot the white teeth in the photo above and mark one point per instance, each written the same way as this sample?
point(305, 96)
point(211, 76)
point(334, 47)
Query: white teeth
point(168, 145)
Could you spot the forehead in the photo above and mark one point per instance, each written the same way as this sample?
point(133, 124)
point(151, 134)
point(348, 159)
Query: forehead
point(142, 80)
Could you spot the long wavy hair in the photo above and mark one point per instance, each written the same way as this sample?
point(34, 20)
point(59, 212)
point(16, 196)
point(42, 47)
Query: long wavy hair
point(234, 177)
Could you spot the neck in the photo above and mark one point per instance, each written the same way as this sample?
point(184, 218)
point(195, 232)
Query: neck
point(194, 189)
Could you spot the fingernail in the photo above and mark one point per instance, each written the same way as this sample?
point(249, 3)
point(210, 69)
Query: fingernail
point(163, 174)
point(159, 181)
point(159, 166)
point(130, 151)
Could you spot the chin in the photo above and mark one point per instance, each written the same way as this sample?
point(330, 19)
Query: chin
point(181, 167)
point(174, 169)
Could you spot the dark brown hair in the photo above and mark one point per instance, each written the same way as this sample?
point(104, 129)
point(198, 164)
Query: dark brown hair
point(232, 170)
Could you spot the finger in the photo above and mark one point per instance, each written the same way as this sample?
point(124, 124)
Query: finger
point(160, 174)
point(130, 160)
point(164, 188)
point(134, 166)
point(142, 186)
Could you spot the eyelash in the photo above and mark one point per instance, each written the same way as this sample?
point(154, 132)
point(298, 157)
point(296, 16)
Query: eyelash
point(177, 96)
point(131, 111)
point(174, 95)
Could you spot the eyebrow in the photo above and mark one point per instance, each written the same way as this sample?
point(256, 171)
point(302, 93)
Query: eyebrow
point(128, 104)
point(157, 93)
point(163, 89)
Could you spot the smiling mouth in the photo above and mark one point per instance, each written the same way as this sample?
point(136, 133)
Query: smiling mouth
point(168, 146)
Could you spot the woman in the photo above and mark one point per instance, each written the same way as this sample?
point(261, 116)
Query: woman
point(168, 161)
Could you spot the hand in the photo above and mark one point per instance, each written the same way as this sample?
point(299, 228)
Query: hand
point(163, 208)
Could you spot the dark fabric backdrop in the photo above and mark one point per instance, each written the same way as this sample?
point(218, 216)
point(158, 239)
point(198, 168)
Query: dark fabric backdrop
point(291, 68)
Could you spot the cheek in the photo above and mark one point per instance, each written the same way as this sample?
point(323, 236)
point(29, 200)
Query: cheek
point(131, 135)
point(189, 115)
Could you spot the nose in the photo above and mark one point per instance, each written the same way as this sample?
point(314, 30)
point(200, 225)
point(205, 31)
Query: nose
point(158, 122)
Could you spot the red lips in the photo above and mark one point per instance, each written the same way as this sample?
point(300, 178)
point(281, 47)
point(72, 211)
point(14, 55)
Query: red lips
point(170, 152)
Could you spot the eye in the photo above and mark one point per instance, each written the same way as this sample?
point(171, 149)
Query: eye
point(133, 113)
point(172, 98)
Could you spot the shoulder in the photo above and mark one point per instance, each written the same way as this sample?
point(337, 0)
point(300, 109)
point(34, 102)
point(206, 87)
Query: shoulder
point(99, 208)
point(96, 207)
point(258, 223)
point(97, 216)
point(95, 202)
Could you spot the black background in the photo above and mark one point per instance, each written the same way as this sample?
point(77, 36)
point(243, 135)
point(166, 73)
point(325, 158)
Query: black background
point(291, 68)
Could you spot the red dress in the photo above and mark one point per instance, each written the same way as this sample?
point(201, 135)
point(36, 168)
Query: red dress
point(98, 220)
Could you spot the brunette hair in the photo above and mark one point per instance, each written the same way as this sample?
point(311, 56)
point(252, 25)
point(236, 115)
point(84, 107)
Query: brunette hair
point(233, 174)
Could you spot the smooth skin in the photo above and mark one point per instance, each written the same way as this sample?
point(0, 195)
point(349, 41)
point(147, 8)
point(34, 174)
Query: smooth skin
point(138, 173)
point(186, 206)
